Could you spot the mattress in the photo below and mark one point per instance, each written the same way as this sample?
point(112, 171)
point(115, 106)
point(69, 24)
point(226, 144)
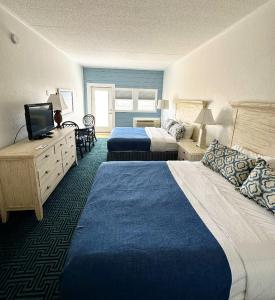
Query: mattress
point(141, 139)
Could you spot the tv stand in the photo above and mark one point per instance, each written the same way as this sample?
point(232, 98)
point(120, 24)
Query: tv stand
point(43, 136)
point(29, 173)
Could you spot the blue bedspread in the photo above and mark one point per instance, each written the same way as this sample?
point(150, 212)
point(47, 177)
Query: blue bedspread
point(128, 139)
point(140, 239)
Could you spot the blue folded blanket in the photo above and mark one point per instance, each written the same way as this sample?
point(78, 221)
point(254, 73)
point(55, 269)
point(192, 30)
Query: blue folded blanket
point(128, 139)
point(139, 238)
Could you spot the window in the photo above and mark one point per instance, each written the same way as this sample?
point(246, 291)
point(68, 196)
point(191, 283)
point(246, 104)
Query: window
point(124, 99)
point(147, 100)
point(146, 105)
point(127, 99)
point(101, 110)
point(124, 104)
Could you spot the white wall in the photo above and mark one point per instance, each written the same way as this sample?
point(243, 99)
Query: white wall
point(27, 70)
point(239, 64)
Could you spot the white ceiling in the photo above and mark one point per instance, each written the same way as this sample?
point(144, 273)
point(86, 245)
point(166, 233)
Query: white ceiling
point(145, 34)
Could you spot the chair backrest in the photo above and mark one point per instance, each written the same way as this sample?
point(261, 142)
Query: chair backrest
point(88, 120)
point(69, 124)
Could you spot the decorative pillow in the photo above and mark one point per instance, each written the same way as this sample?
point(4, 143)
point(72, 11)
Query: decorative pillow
point(231, 164)
point(260, 185)
point(270, 160)
point(177, 130)
point(189, 128)
point(169, 123)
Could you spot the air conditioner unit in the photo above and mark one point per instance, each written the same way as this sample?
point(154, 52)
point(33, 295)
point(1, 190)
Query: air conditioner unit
point(146, 122)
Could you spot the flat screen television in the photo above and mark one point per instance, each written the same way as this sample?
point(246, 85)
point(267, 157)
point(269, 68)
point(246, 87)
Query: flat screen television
point(39, 119)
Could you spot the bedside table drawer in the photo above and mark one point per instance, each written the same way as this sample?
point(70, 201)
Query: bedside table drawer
point(188, 150)
point(182, 155)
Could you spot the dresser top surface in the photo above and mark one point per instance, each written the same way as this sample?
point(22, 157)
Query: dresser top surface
point(28, 149)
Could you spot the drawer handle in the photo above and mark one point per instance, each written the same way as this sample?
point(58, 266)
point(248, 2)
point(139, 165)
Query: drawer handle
point(46, 172)
point(60, 145)
point(72, 146)
point(48, 187)
point(66, 152)
point(47, 155)
point(70, 137)
point(58, 174)
point(58, 161)
point(67, 164)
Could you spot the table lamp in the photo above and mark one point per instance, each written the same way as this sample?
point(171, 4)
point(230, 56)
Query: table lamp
point(59, 104)
point(162, 104)
point(204, 118)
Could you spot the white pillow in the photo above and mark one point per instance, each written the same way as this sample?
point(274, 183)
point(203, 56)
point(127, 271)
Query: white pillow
point(189, 128)
point(270, 160)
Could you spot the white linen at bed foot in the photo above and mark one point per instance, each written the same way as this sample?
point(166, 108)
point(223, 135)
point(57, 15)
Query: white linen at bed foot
point(161, 141)
point(245, 231)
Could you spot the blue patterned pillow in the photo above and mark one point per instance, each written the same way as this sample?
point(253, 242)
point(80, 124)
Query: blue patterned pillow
point(231, 164)
point(169, 123)
point(260, 185)
point(177, 131)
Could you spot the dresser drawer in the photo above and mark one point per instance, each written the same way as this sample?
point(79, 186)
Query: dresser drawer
point(60, 145)
point(48, 185)
point(70, 159)
point(45, 168)
point(70, 138)
point(70, 147)
point(45, 158)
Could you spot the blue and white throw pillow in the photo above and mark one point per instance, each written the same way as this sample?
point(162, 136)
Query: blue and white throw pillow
point(177, 131)
point(169, 123)
point(260, 185)
point(231, 164)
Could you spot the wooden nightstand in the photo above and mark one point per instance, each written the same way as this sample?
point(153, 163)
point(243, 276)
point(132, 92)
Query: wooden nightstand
point(188, 150)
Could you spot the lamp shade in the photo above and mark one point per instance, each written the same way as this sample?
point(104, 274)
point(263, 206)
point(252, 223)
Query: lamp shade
point(163, 104)
point(58, 102)
point(205, 117)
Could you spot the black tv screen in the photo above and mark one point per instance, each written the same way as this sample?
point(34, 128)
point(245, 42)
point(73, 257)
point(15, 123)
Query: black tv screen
point(39, 119)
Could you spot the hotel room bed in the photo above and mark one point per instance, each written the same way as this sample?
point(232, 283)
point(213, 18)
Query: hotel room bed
point(148, 232)
point(177, 229)
point(150, 143)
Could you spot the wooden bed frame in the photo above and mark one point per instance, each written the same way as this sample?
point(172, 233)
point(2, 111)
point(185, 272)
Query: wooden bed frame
point(254, 126)
point(187, 111)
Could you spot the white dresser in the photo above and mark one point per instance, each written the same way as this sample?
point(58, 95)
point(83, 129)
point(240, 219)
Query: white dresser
point(29, 173)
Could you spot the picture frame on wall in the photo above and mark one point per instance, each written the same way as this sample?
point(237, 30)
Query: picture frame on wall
point(68, 96)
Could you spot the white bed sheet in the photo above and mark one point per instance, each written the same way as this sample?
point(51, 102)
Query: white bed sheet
point(161, 140)
point(245, 230)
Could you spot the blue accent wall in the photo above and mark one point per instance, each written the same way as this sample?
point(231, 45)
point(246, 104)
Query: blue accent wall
point(125, 78)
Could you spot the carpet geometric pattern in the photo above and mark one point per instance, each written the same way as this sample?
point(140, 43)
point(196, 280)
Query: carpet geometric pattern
point(33, 253)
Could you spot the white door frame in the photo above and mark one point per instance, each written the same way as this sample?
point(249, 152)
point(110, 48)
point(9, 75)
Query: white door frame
point(89, 87)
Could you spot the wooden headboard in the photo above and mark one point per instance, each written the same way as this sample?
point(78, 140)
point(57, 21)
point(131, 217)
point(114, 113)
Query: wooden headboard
point(254, 126)
point(188, 110)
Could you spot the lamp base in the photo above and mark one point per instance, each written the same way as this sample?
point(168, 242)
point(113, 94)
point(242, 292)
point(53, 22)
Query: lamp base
point(58, 118)
point(202, 137)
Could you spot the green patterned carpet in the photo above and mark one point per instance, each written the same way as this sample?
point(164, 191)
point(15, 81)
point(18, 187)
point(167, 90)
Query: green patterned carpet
point(32, 253)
